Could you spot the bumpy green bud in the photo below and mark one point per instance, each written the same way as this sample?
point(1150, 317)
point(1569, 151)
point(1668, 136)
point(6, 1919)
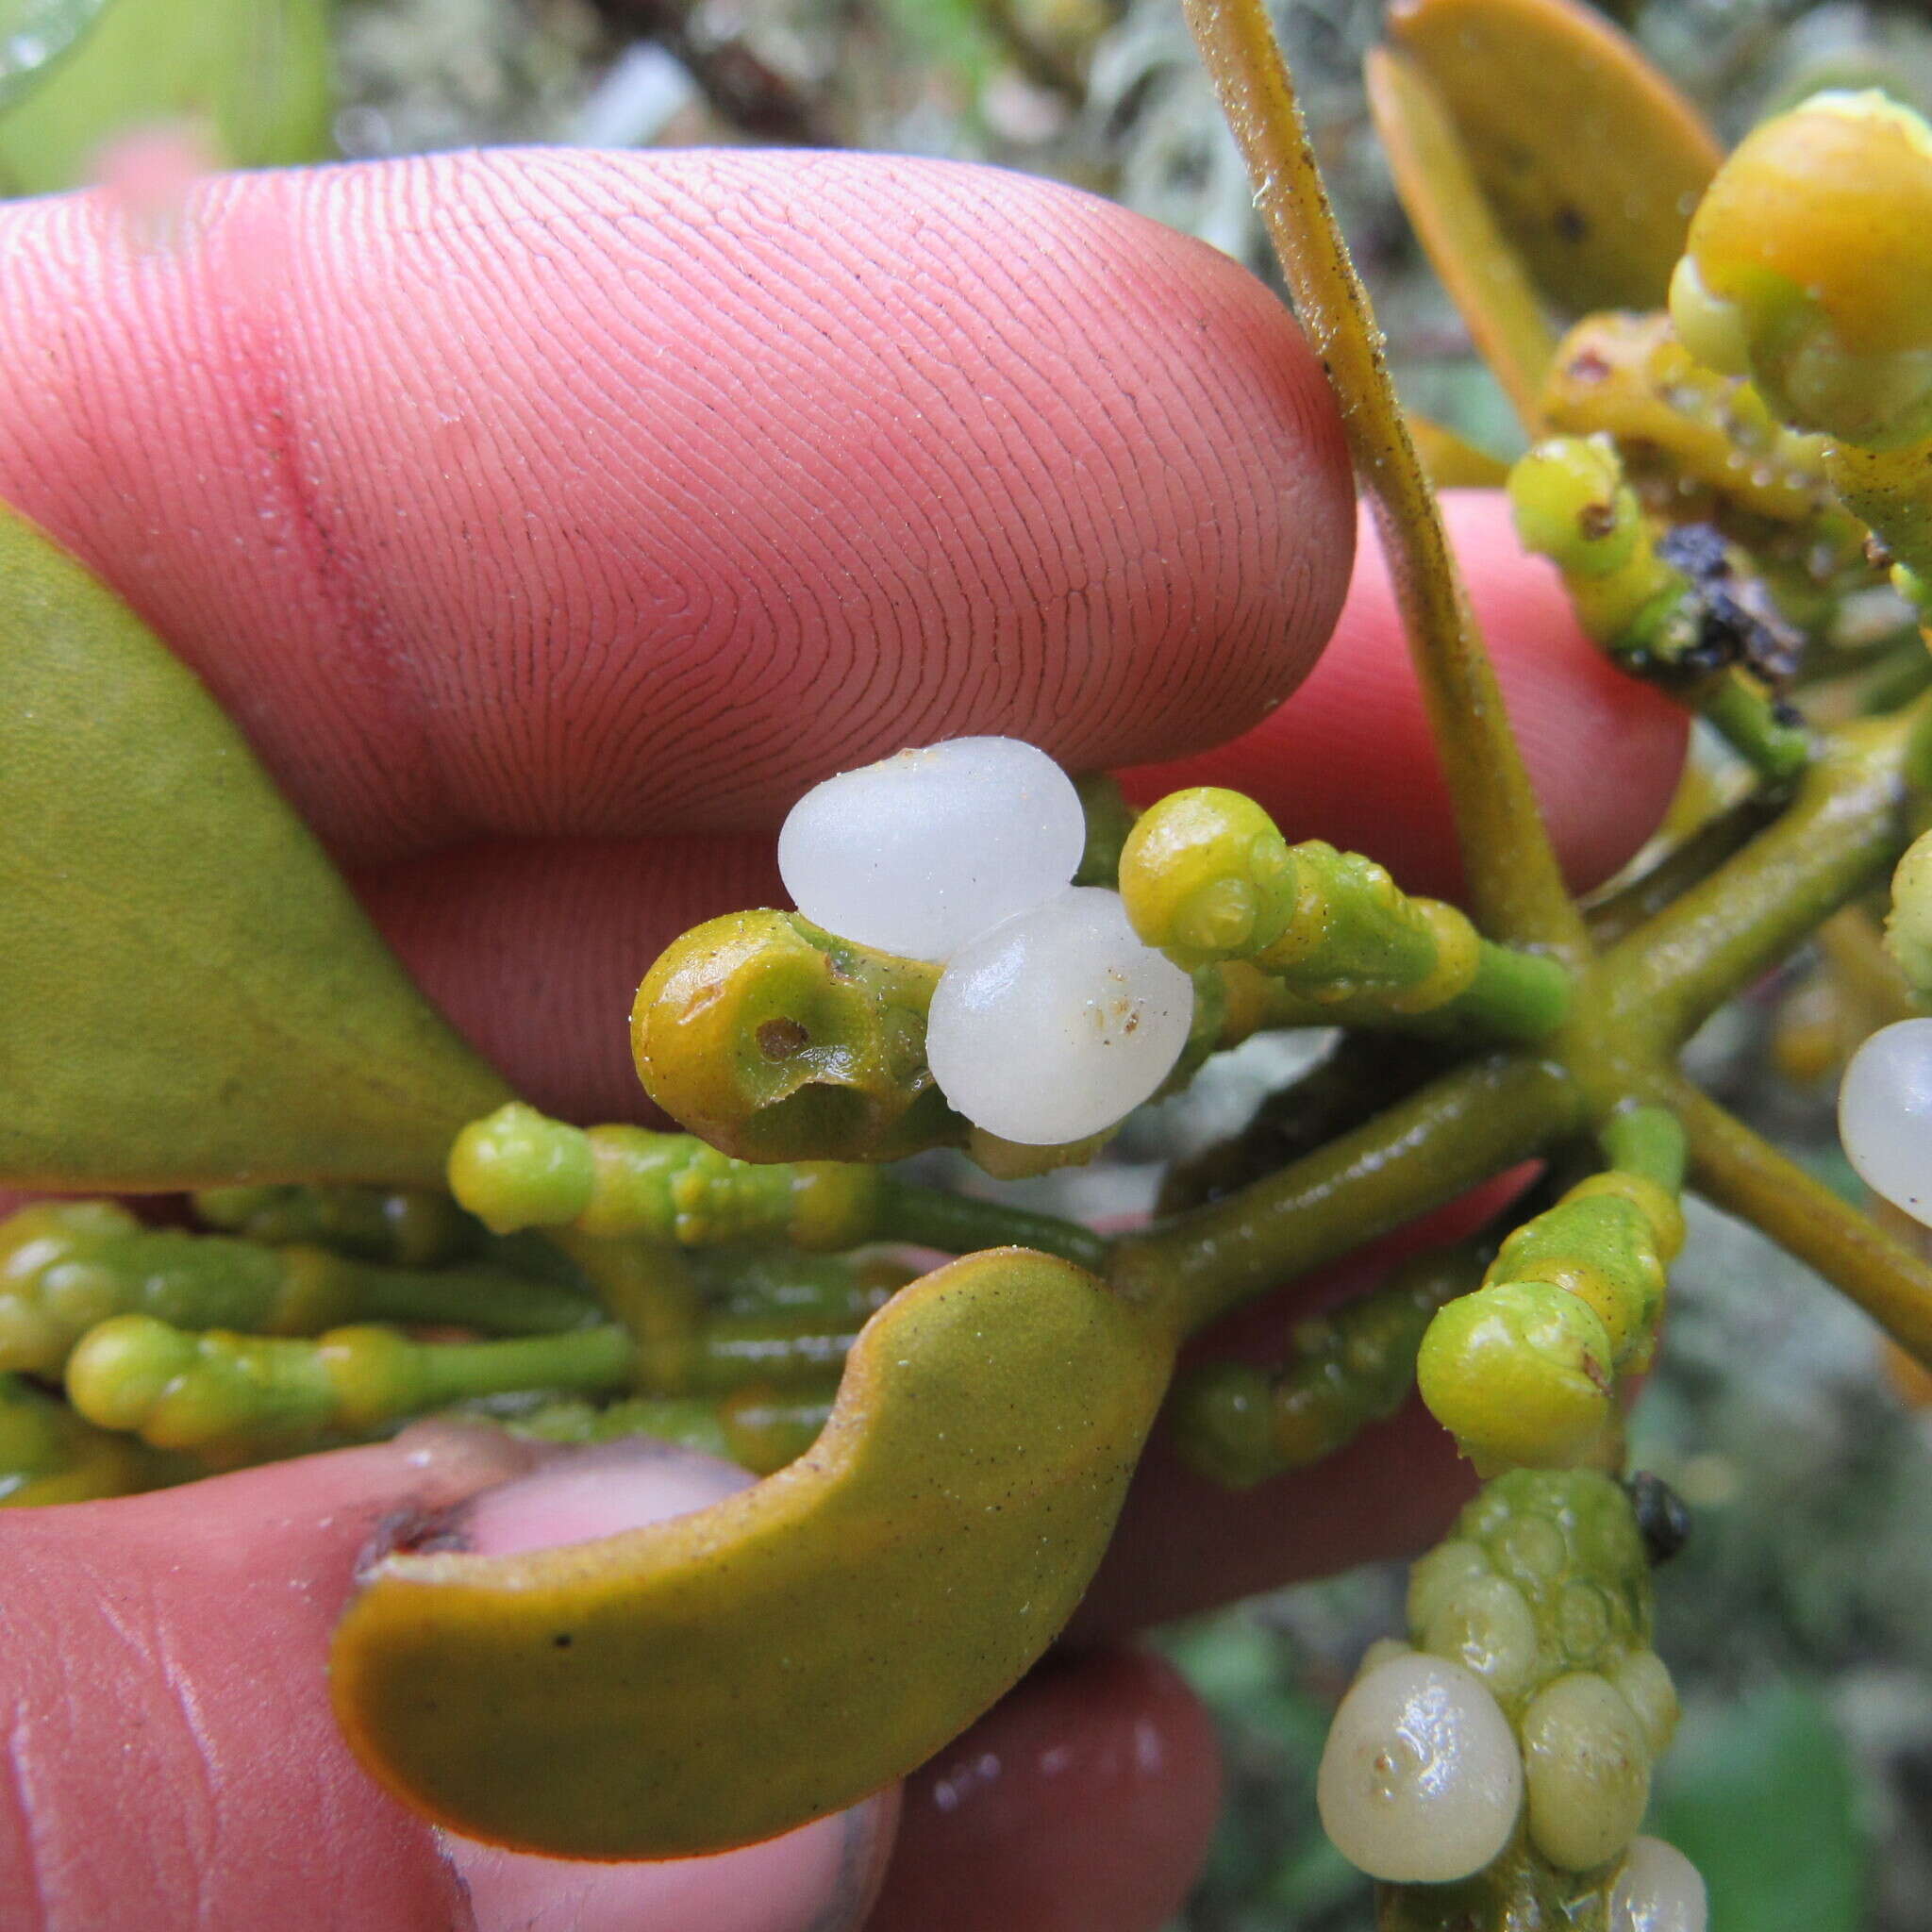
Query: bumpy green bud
point(515, 1168)
point(1351, 1368)
point(1206, 877)
point(410, 1227)
point(1566, 1542)
point(1601, 1248)
point(1808, 267)
point(1572, 505)
point(1519, 1373)
point(239, 1395)
point(49, 1455)
point(777, 1042)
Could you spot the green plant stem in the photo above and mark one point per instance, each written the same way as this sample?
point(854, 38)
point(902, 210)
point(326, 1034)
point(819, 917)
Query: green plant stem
point(1516, 886)
point(1424, 1151)
point(1743, 1174)
point(591, 1361)
point(1516, 996)
point(1693, 857)
point(1647, 1140)
point(1745, 714)
point(468, 1297)
point(960, 1224)
point(1843, 831)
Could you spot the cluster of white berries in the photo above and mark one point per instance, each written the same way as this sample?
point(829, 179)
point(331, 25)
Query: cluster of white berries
point(1885, 1115)
point(1051, 1020)
point(1423, 1781)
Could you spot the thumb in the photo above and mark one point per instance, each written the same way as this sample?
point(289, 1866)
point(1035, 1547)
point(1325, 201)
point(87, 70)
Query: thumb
point(172, 1760)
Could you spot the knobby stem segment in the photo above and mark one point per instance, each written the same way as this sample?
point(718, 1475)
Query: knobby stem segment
point(1516, 888)
point(1424, 1151)
point(1744, 1174)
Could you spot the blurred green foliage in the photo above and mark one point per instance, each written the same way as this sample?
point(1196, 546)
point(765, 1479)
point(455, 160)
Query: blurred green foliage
point(250, 78)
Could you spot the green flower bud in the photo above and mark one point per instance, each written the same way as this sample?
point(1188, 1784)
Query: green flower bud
point(1518, 1373)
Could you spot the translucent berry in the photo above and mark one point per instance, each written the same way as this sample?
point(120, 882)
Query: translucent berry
point(1658, 1890)
point(1587, 1763)
point(1420, 1782)
point(925, 851)
point(1885, 1115)
point(1057, 1022)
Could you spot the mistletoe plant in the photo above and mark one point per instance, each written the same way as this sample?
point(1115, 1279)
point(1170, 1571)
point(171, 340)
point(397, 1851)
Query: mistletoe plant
point(991, 956)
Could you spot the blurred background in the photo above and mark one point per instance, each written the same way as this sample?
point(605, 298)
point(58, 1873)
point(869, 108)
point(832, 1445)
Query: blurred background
point(1799, 1618)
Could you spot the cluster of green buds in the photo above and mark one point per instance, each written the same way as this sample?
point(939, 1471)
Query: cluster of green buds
point(1808, 268)
point(1238, 1425)
point(1208, 878)
point(1675, 603)
point(183, 1351)
point(1507, 1756)
point(1523, 1371)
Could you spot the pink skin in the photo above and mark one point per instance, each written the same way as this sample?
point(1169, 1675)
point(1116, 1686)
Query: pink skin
point(550, 522)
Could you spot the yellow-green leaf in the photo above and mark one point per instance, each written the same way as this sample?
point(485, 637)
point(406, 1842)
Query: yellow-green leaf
point(1481, 269)
point(1592, 160)
point(188, 992)
point(720, 1676)
point(252, 74)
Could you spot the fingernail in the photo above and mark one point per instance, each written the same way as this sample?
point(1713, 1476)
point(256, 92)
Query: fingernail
point(819, 1878)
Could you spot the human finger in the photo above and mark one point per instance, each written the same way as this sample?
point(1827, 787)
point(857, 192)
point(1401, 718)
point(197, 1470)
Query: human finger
point(1082, 1803)
point(557, 494)
point(174, 1761)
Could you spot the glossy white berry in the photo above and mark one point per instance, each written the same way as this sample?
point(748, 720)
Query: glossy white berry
point(1658, 1890)
point(1885, 1115)
point(925, 851)
point(1057, 1022)
point(1421, 1781)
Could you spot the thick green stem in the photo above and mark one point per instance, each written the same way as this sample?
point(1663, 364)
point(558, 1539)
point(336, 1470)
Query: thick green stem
point(1744, 712)
point(1520, 996)
point(589, 1362)
point(958, 1224)
point(1421, 1153)
point(1744, 1174)
point(1691, 860)
point(1845, 828)
point(1647, 1140)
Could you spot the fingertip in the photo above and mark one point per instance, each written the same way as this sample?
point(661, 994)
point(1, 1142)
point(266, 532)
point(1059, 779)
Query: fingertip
point(1350, 759)
point(553, 493)
point(1082, 1803)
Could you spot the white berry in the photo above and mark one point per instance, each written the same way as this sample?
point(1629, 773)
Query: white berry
point(925, 851)
point(1885, 1115)
point(1658, 1890)
point(1420, 1781)
point(1057, 1022)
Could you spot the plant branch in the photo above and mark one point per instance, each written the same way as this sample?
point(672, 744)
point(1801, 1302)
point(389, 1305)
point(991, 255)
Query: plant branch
point(959, 1223)
point(1744, 1174)
point(1516, 888)
point(1846, 828)
point(1424, 1151)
